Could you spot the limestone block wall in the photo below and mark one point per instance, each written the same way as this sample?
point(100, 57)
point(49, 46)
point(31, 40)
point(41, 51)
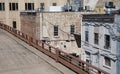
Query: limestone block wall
point(42, 24)
point(8, 16)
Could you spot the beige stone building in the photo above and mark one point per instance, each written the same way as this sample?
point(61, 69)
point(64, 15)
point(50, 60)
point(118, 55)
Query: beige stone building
point(56, 28)
point(10, 9)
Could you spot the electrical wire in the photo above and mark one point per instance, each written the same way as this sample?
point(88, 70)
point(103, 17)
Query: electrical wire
point(96, 25)
point(54, 25)
point(69, 34)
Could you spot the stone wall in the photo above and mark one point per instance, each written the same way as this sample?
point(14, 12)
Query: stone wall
point(8, 16)
point(41, 26)
point(28, 25)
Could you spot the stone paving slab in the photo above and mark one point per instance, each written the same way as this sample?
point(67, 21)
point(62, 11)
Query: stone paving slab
point(17, 57)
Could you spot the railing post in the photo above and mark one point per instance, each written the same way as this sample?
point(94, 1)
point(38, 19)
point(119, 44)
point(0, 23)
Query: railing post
point(31, 39)
point(49, 48)
point(15, 32)
point(36, 42)
point(70, 59)
point(42, 45)
point(57, 55)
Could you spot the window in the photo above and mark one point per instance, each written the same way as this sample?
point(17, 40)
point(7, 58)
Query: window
point(54, 4)
point(42, 5)
point(86, 36)
point(96, 38)
point(107, 42)
point(55, 30)
point(2, 6)
point(72, 29)
point(14, 24)
point(29, 6)
point(88, 57)
point(107, 61)
point(13, 6)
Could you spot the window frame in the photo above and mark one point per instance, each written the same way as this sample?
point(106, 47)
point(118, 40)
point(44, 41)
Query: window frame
point(2, 6)
point(86, 36)
point(107, 41)
point(14, 24)
point(107, 62)
point(56, 31)
point(54, 4)
point(96, 38)
point(13, 6)
point(29, 6)
point(72, 29)
point(42, 6)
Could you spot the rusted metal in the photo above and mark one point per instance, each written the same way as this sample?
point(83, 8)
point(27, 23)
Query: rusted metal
point(70, 61)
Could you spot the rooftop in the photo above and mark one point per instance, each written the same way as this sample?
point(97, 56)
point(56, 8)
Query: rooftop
point(101, 3)
point(99, 17)
point(16, 57)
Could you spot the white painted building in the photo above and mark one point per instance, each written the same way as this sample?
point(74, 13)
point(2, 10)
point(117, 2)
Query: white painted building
point(100, 38)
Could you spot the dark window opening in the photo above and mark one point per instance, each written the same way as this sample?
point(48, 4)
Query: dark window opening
point(72, 29)
point(96, 38)
point(13, 6)
point(55, 30)
point(54, 4)
point(29, 6)
point(2, 6)
point(107, 61)
point(107, 41)
point(14, 24)
point(42, 6)
point(86, 36)
point(16, 6)
point(25, 6)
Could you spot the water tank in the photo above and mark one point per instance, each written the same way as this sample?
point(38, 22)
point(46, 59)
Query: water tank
point(109, 5)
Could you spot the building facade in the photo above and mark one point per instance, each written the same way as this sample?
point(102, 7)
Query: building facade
point(100, 37)
point(55, 28)
point(10, 9)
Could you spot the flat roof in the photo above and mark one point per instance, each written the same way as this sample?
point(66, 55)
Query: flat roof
point(99, 17)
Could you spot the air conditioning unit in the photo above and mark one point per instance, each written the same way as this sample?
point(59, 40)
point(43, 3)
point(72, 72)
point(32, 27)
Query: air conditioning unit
point(56, 9)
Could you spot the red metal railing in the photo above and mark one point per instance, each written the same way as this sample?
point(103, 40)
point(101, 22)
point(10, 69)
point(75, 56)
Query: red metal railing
point(70, 61)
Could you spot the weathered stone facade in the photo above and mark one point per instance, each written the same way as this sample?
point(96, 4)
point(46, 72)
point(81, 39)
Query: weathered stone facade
point(9, 16)
point(29, 25)
point(41, 25)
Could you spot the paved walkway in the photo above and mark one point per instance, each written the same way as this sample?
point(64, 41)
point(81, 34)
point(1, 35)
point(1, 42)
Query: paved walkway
point(17, 57)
